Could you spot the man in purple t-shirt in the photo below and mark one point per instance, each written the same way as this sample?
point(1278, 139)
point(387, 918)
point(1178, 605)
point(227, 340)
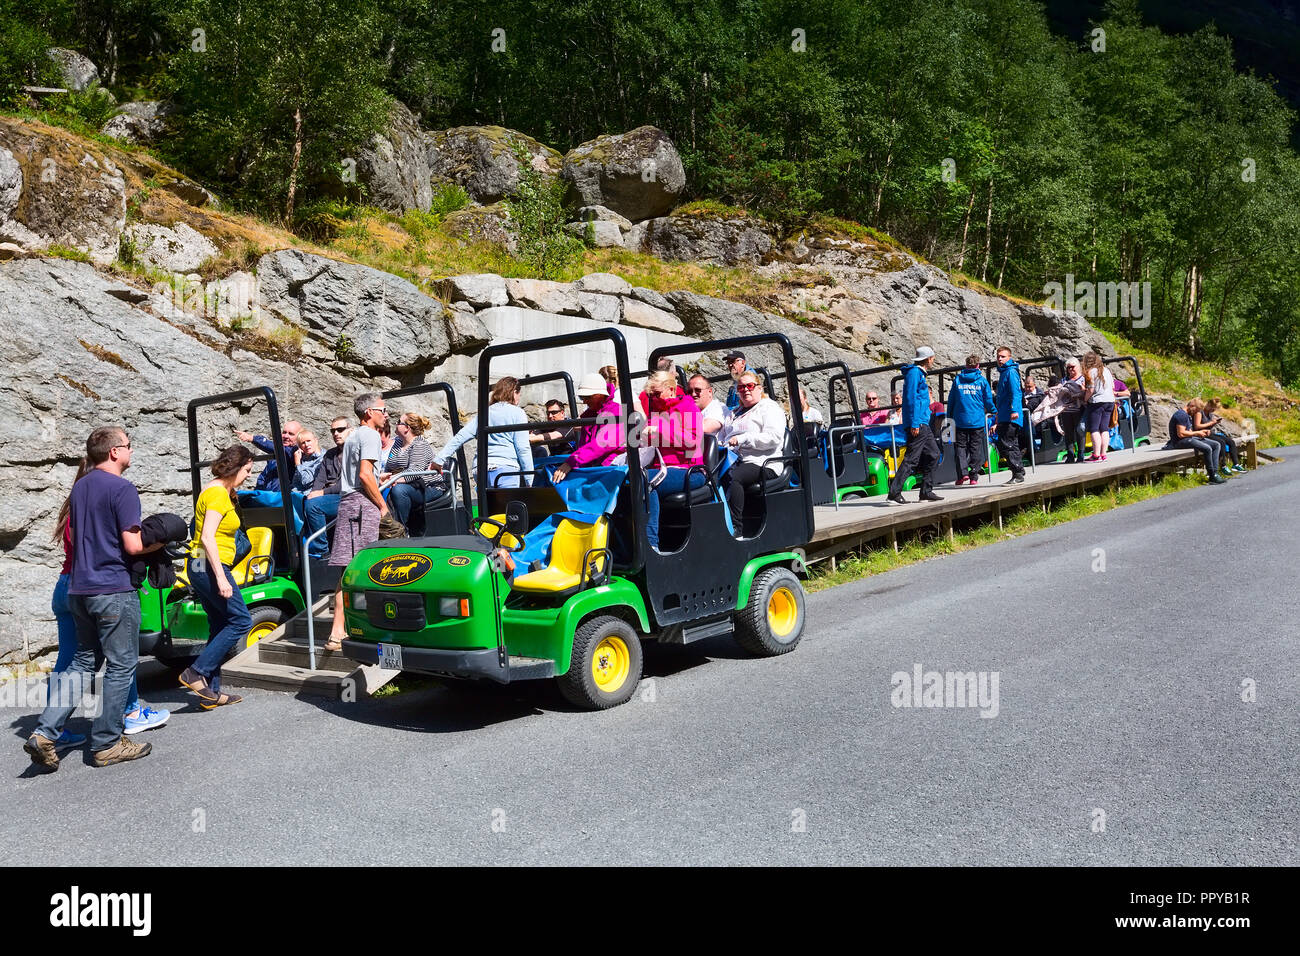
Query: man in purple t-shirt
point(105, 521)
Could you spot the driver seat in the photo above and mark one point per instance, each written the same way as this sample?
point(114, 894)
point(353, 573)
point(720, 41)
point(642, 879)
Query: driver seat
point(259, 565)
point(578, 557)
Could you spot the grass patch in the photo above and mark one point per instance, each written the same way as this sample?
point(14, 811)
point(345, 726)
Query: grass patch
point(59, 251)
point(283, 344)
point(104, 355)
point(875, 560)
point(403, 683)
point(963, 281)
point(710, 209)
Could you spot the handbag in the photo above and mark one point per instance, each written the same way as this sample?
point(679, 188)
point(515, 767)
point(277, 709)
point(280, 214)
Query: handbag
point(1114, 414)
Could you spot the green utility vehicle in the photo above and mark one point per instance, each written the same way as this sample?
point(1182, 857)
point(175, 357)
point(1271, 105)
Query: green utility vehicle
point(559, 580)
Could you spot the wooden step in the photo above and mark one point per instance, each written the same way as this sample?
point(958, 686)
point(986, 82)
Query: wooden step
point(294, 652)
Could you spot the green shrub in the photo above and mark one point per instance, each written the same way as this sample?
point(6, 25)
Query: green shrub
point(537, 218)
point(448, 197)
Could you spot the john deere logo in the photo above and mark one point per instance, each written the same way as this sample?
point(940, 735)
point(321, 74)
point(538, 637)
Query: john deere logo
point(399, 569)
point(390, 609)
point(459, 561)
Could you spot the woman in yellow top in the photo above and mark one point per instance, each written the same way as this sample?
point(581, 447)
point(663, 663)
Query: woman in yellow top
point(212, 553)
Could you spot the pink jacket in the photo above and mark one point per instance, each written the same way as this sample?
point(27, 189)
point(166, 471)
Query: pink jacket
point(601, 441)
point(680, 436)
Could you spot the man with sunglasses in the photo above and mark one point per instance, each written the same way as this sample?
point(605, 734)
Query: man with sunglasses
point(554, 441)
point(922, 452)
point(104, 515)
point(873, 414)
point(713, 414)
point(322, 503)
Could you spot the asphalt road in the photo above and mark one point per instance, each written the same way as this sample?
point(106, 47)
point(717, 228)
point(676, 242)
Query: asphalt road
point(1120, 692)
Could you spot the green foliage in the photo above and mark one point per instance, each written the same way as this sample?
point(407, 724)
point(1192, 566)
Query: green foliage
point(537, 219)
point(448, 197)
point(23, 42)
point(343, 347)
point(60, 251)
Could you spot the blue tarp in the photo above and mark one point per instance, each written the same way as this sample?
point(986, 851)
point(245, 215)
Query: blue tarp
point(272, 499)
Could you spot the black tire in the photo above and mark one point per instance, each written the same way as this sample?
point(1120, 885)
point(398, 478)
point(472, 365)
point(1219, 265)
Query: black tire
point(755, 631)
point(579, 686)
point(267, 614)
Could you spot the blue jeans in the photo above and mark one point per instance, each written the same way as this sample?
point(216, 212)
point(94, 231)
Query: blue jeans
point(228, 621)
point(407, 499)
point(66, 624)
point(318, 512)
point(108, 627)
point(673, 483)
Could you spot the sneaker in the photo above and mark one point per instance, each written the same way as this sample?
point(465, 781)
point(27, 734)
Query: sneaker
point(896, 500)
point(1103, 458)
point(146, 719)
point(930, 496)
point(1239, 469)
point(1017, 480)
point(1070, 459)
point(1092, 458)
point(68, 739)
point(961, 480)
point(42, 752)
point(120, 752)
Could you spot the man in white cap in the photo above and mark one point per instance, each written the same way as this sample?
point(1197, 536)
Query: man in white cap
point(922, 450)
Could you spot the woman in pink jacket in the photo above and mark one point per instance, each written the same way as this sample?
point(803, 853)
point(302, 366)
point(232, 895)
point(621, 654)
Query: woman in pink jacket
point(675, 429)
point(602, 441)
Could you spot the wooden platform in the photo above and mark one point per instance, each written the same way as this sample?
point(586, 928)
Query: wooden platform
point(857, 522)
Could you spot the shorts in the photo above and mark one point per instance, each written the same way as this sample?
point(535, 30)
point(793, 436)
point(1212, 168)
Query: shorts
point(357, 527)
point(1099, 416)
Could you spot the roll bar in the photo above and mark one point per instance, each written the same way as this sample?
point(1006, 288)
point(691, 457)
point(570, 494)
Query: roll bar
point(265, 393)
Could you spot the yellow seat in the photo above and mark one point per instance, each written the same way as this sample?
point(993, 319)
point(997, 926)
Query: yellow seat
point(488, 528)
point(258, 565)
point(572, 543)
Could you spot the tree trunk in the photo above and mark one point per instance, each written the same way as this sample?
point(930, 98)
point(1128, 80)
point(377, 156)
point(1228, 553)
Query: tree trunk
point(1006, 252)
point(988, 236)
point(293, 165)
point(965, 229)
point(1192, 306)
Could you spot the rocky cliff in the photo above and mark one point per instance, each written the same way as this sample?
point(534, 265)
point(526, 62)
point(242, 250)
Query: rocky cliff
point(176, 299)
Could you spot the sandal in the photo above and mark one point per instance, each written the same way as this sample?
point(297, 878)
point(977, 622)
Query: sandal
point(221, 700)
point(334, 644)
point(196, 682)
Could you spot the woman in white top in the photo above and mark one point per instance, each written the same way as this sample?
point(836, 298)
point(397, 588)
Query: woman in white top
point(756, 433)
point(811, 414)
point(1099, 391)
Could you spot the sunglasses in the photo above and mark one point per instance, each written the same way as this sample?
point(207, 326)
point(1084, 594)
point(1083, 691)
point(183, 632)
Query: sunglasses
point(873, 398)
point(335, 431)
point(699, 391)
point(126, 446)
point(747, 387)
point(378, 408)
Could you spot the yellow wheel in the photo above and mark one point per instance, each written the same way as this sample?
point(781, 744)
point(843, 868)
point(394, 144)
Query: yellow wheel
point(605, 666)
point(265, 620)
point(609, 663)
point(771, 622)
point(782, 612)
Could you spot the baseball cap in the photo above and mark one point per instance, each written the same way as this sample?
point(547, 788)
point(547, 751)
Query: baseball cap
point(732, 356)
point(923, 352)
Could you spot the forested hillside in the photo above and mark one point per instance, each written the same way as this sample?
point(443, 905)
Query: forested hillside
point(963, 128)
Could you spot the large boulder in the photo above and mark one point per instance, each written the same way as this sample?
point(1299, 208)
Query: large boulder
point(636, 174)
point(490, 224)
point(388, 324)
point(81, 350)
point(76, 71)
point(543, 296)
point(177, 248)
point(59, 190)
point(727, 238)
point(484, 162)
point(394, 166)
point(139, 123)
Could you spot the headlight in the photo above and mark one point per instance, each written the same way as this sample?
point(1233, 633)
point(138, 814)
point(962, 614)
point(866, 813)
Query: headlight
point(355, 600)
point(453, 607)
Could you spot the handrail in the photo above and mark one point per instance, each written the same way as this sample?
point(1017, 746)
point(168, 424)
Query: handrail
point(306, 543)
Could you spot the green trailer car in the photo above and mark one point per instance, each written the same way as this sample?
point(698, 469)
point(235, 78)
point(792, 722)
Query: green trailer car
point(559, 582)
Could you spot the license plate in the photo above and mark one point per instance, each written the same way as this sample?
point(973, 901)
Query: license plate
point(390, 656)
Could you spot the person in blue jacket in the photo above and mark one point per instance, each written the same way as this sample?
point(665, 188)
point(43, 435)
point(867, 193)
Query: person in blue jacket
point(922, 450)
point(1011, 411)
point(969, 400)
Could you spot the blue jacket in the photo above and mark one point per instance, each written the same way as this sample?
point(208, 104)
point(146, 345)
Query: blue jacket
point(269, 479)
point(1011, 396)
point(916, 397)
point(970, 399)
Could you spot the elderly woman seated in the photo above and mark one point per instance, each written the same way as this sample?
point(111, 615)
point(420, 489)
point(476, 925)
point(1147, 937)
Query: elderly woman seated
point(756, 433)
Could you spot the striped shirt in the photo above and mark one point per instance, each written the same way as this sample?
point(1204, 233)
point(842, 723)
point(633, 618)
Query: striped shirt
point(416, 456)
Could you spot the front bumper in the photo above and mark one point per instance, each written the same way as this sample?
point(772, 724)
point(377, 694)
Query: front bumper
point(485, 663)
